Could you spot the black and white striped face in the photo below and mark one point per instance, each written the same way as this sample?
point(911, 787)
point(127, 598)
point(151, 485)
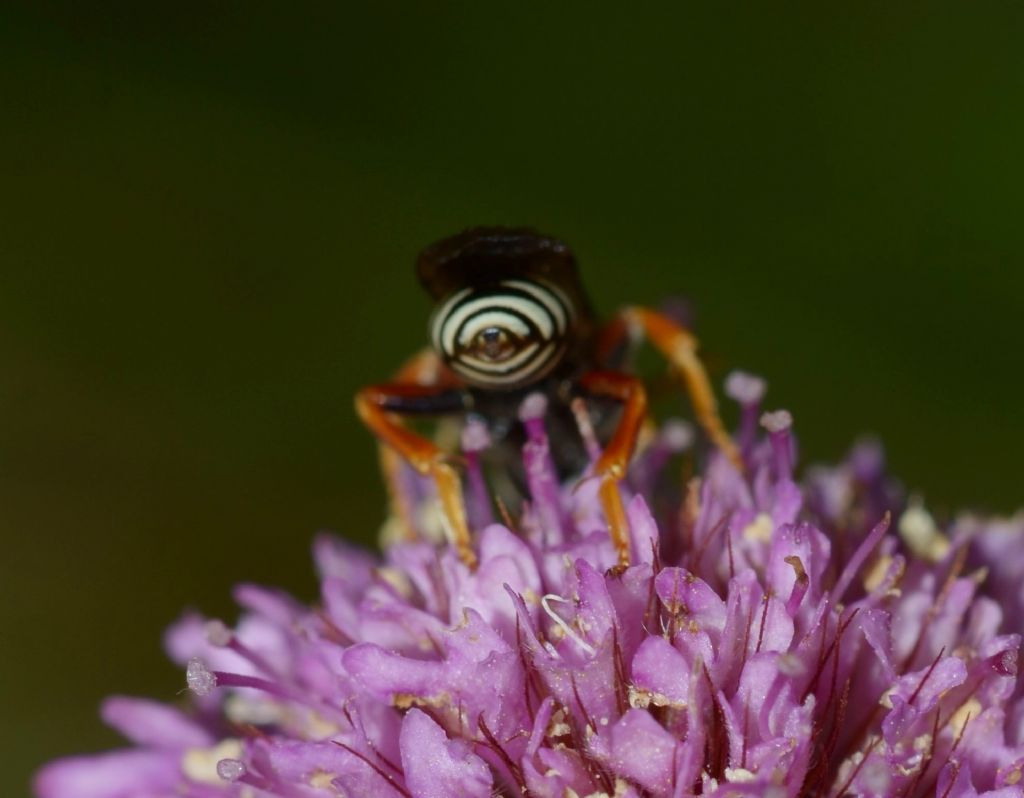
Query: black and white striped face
point(503, 336)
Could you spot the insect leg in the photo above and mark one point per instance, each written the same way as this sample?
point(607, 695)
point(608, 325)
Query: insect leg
point(423, 368)
point(378, 406)
point(611, 466)
point(679, 347)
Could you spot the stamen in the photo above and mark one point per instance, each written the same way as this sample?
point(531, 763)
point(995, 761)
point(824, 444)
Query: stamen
point(532, 410)
point(541, 476)
point(676, 435)
point(778, 425)
point(799, 586)
point(231, 769)
point(225, 679)
point(744, 388)
point(777, 421)
point(475, 439)
point(475, 435)
point(200, 679)
point(748, 391)
point(217, 633)
point(560, 622)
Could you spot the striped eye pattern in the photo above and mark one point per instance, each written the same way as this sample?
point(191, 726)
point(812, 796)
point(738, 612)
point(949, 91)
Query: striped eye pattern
point(505, 335)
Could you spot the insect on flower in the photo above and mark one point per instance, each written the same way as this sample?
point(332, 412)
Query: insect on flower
point(512, 318)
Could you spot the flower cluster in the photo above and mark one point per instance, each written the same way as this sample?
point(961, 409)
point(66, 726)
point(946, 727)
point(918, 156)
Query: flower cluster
point(769, 638)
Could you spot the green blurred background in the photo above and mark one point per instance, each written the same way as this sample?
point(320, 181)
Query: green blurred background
point(208, 214)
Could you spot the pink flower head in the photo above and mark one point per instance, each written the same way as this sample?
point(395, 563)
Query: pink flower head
point(770, 638)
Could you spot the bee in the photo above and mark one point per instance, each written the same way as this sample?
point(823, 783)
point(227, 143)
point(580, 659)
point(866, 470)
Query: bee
point(511, 318)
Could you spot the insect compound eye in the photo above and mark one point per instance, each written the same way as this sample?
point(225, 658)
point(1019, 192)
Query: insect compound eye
point(495, 344)
point(503, 335)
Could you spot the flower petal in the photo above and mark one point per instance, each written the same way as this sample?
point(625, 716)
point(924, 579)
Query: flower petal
point(436, 767)
point(116, 774)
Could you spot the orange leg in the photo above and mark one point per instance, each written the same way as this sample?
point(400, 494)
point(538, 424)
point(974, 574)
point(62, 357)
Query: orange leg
point(376, 406)
point(423, 368)
point(611, 466)
point(680, 348)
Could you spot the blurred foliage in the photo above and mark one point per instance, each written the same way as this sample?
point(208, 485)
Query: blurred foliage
point(209, 213)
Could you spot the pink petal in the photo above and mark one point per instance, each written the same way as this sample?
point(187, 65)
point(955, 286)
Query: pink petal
point(436, 767)
point(116, 774)
point(150, 723)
